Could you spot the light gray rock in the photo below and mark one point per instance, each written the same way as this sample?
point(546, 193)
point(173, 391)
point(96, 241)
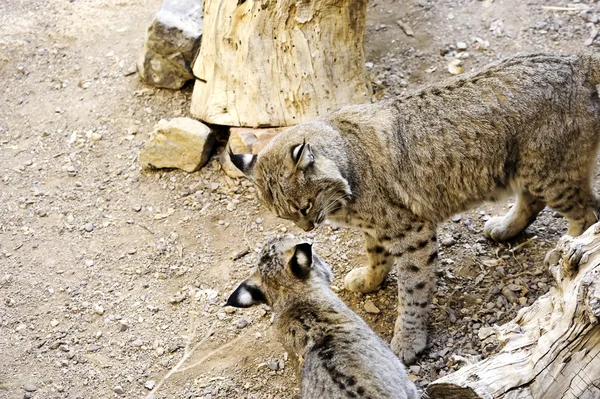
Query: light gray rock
point(172, 43)
point(182, 143)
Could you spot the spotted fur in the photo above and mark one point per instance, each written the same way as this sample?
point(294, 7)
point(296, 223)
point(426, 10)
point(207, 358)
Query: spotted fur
point(527, 125)
point(336, 353)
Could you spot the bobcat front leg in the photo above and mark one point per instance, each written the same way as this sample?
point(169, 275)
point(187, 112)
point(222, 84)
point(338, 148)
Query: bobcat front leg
point(369, 278)
point(415, 251)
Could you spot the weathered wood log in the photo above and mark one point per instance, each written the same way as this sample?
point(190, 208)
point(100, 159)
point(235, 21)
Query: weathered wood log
point(551, 350)
point(279, 63)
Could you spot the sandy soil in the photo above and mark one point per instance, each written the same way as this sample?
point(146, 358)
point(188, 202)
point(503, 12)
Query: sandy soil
point(107, 272)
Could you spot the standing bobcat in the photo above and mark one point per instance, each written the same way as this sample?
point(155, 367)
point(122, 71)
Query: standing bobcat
point(527, 125)
point(339, 355)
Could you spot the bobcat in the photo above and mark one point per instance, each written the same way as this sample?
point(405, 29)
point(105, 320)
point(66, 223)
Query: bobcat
point(338, 354)
point(527, 125)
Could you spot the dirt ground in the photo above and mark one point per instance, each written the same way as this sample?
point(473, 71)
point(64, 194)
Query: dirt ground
point(107, 272)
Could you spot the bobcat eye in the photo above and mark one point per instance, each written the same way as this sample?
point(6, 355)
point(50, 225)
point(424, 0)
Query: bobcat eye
point(306, 209)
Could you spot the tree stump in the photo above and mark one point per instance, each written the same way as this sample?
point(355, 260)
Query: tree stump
point(551, 350)
point(279, 63)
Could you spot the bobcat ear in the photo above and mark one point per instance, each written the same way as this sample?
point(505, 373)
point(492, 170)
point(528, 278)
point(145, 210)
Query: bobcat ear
point(247, 294)
point(302, 260)
point(302, 155)
point(244, 162)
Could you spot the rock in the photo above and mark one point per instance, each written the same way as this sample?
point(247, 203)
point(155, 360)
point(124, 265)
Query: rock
point(456, 218)
point(182, 143)
point(138, 343)
point(448, 241)
point(89, 227)
point(30, 387)
point(455, 67)
point(172, 43)
point(99, 309)
point(415, 369)
point(244, 140)
point(370, 307)
point(118, 390)
point(405, 28)
point(273, 364)
point(54, 323)
point(150, 385)
point(461, 46)
point(243, 322)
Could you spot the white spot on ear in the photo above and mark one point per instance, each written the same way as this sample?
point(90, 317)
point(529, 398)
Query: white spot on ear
point(301, 258)
point(247, 159)
point(296, 152)
point(245, 298)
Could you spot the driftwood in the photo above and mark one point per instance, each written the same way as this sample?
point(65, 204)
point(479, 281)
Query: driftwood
point(279, 63)
point(551, 350)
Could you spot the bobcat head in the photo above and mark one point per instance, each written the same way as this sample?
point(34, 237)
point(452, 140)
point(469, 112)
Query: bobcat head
point(295, 178)
point(286, 266)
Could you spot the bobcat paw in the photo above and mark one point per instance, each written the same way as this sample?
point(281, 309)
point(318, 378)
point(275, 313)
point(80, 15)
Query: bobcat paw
point(408, 347)
point(358, 280)
point(498, 230)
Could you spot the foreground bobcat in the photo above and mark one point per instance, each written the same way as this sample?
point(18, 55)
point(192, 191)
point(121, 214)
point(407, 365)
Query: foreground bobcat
point(340, 356)
point(527, 125)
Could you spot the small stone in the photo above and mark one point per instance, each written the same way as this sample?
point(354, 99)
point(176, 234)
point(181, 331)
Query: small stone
point(149, 385)
point(99, 309)
point(182, 143)
point(122, 326)
point(118, 390)
point(523, 301)
point(54, 323)
point(415, 370)
point(89, 227)
point(461, 46)
point(30, 387)
point(89, 262)
point(370, 307)
point(448, 241)
point(221, 315)
point(137, 208)
point(456, 218)
point(273, 364)
point(455, 67)
point(243, 322)
point(259, 220)
point(160, 351)
point(96, 136)
point(137, 343)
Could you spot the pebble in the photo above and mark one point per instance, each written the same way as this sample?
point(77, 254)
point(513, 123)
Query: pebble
point(259, 220)
point(455, 67)
point(370, 307)
point(456, 218)
point(99, 309)
point(243, 322)
point(273, 364)
point(149, 385)
point(88, 227)
point(89, 262)
point(30, 387)
point(461, 46)
point(137, 343)
point(118, 390)
point(448, 241)
point(415, 369)
point(54, 323)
